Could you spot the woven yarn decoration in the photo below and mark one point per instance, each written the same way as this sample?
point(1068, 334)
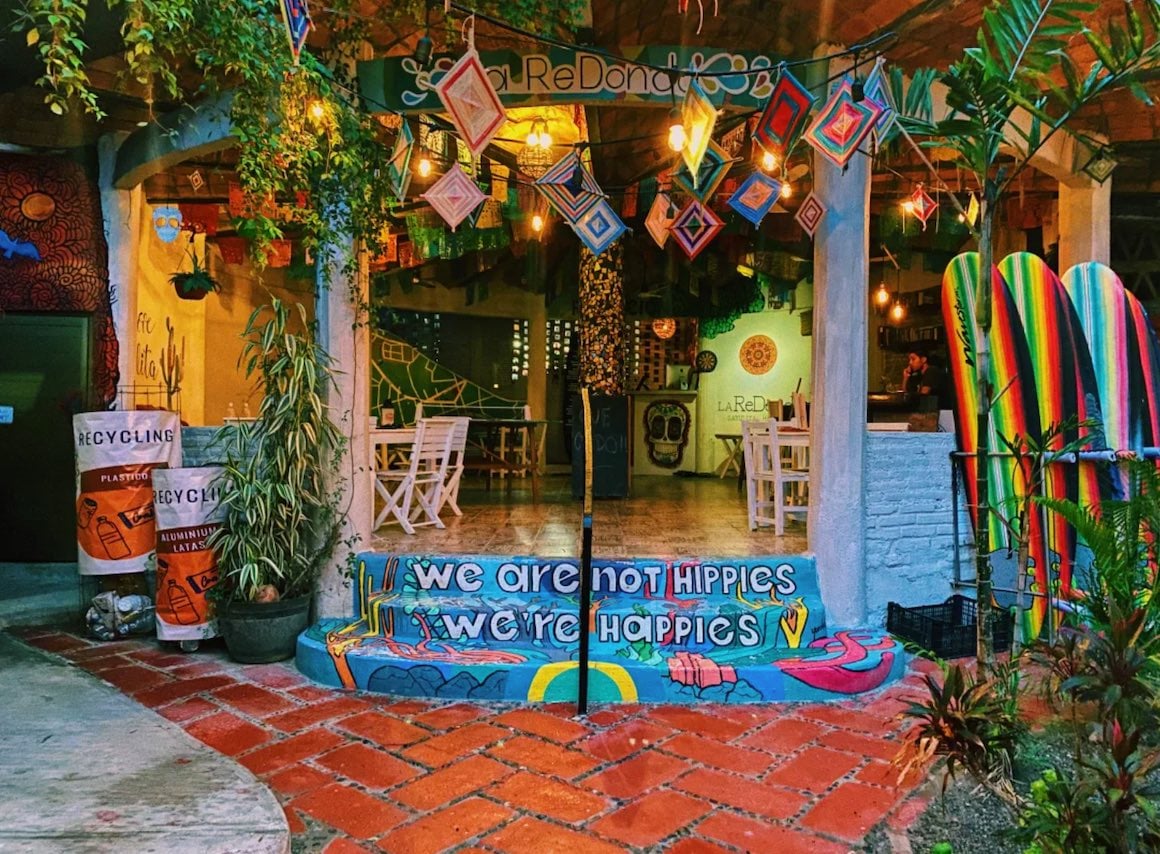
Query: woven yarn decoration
point(809, 215)
point(695, 227)
point(599, 227)
point(472, 102)
point(569, 187)
point(399, 167)
point(714, 167)
point(842, 124)
point(660, 217)
point(454, 196)
point(756, 197)
point(876, 89)
point(784, 116)
point(699, 117)
point(296, 17)
point(922, 205)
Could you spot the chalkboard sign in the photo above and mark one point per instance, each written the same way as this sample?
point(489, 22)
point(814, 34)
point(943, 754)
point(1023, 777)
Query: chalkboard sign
point(609, 447)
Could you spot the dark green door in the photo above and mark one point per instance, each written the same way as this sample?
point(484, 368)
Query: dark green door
point(44, 377)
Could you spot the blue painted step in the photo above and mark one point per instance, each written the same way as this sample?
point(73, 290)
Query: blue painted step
point(683, 630)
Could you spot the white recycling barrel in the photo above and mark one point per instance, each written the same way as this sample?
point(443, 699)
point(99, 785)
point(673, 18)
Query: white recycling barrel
point(189, 509)
point(117, 453)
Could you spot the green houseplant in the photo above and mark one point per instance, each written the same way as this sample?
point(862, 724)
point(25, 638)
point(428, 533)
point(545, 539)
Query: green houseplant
point(281, 516)
point(195, 283)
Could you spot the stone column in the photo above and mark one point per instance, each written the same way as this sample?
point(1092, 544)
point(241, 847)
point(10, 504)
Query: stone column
point(121, 213)
point(538, 358)
point(1085, 222)
point(602, 343)
point(837, 525)
point(345, 335)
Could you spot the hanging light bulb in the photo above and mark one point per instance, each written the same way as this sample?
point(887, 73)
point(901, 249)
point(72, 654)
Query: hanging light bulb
point(424, 167)
point(908, 206)
point(786, 190)
point(881, 296)
point(317, 110)
point(768, 161)
point(677, 136)
point(545, 138)
point(537, 223)
point(897, 312)
point(423, 50)
point(533, 139)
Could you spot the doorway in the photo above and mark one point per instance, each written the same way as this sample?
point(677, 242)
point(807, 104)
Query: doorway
point(45, 376)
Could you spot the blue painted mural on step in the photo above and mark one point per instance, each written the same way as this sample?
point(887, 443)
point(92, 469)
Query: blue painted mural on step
point(662, 630)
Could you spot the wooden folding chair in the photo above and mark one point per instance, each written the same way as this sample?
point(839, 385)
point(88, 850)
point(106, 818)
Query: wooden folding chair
point(766, 479)
point(455, 463)
point(422, 481)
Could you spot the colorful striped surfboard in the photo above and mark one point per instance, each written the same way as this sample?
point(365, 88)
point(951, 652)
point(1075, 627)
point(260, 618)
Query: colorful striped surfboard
point(1065, 388)
point(1148, 364)
point(1013, 413)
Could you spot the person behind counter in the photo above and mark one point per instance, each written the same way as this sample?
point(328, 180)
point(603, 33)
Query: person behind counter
point(922, 379)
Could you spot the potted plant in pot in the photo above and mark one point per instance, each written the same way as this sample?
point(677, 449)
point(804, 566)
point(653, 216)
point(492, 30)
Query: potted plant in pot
point(281, 516)
point(195, 283)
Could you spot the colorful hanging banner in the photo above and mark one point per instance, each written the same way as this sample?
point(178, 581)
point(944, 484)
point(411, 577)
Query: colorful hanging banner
point(699, 117)
point(454, 196)
point(569, 187)
point(599, 227)
point(695, 227)
point(756, 197)
point(784, 116)
point(842, 124)
point(399, 167)
point(660, 217)
point(296, 17)
point(472, 102)
point(715, 166)
point(809, 215)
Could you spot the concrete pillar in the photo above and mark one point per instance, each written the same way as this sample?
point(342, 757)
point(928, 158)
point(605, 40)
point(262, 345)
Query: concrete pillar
point(837, 525)
point(345, 335)
point(121, 214)
point(538, 359)
point(1085, 222)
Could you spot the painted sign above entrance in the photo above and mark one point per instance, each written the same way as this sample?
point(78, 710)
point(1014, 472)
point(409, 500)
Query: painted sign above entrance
point(575, 76)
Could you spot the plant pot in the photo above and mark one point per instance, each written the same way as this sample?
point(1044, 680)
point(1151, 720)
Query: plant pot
point(191, 295)
point(261, 632)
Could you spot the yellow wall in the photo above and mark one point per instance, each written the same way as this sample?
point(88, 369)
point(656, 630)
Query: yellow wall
point(209, 329)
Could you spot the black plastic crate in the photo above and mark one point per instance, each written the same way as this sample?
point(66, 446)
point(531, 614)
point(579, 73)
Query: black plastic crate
point(948, 630)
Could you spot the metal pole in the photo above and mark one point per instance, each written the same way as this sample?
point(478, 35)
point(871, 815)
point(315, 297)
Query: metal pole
point(955, 517)
point(585, 558)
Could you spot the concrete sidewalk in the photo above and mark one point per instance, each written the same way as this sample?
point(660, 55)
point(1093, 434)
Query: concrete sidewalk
point(84, 768)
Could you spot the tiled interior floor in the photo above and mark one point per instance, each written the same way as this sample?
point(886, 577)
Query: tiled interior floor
point(665, 516)
point(366, 772)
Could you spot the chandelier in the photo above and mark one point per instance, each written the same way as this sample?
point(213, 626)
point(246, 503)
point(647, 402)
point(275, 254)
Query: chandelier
point(535, 158)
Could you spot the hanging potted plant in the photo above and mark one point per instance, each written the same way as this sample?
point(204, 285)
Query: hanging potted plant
point(281, 515)
point(196, 283)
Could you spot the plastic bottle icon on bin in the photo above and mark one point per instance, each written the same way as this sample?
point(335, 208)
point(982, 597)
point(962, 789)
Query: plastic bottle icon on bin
point(181, 605)
point(85, 512)
point(112, 539)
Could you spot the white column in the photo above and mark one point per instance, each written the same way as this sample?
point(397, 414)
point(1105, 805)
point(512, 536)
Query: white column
point(837, 525)
point(121, 213)
point(1085, 222)
point(345, 335)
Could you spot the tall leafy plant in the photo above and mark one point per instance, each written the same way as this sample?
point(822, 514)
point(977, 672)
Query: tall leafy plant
point(281, 518)
point(1003, 98)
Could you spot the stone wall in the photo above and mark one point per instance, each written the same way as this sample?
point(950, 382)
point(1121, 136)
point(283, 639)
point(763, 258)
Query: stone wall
point(910, 542)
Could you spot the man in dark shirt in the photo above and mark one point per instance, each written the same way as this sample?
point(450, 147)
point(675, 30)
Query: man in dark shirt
point(922, 379)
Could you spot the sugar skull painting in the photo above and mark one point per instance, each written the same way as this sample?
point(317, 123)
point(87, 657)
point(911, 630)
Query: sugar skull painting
point(666, 432)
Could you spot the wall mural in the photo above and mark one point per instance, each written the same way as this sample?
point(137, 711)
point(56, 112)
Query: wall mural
point(507, 628)
point(53, 256)
point(602, 340)
point(758, 354)
point(666, 426)
point(1078, 345)
point(402, 375)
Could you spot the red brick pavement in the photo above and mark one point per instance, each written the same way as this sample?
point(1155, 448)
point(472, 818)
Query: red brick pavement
point(364, 772)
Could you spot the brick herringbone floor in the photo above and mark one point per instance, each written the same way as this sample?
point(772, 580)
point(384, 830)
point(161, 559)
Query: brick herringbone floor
point(363, 772)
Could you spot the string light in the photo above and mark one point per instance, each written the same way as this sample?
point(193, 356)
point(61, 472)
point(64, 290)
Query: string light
point(908, 206)
point(786, 190)
point(677, 137)
point(317, 111)
point(768, 161)
point(897, 312)
point(881, 296)
point(424, 167)
point(537, 223)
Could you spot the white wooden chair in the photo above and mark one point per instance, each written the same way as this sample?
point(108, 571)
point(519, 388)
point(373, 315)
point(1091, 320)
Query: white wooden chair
point(455, 463)
point(422, 481)
point(767, 478)
point(801, 420)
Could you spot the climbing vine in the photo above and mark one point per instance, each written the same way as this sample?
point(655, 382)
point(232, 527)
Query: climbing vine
point(311, 159)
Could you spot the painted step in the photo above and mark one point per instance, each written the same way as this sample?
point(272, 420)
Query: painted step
point(662, 630)
point(515, 623)
point(724, 580)
point(350, 655)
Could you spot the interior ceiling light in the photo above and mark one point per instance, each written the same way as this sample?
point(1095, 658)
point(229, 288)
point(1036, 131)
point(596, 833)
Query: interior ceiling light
point(897, 312)
point(881, 296)
point(677, 135)
point(536, 157)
